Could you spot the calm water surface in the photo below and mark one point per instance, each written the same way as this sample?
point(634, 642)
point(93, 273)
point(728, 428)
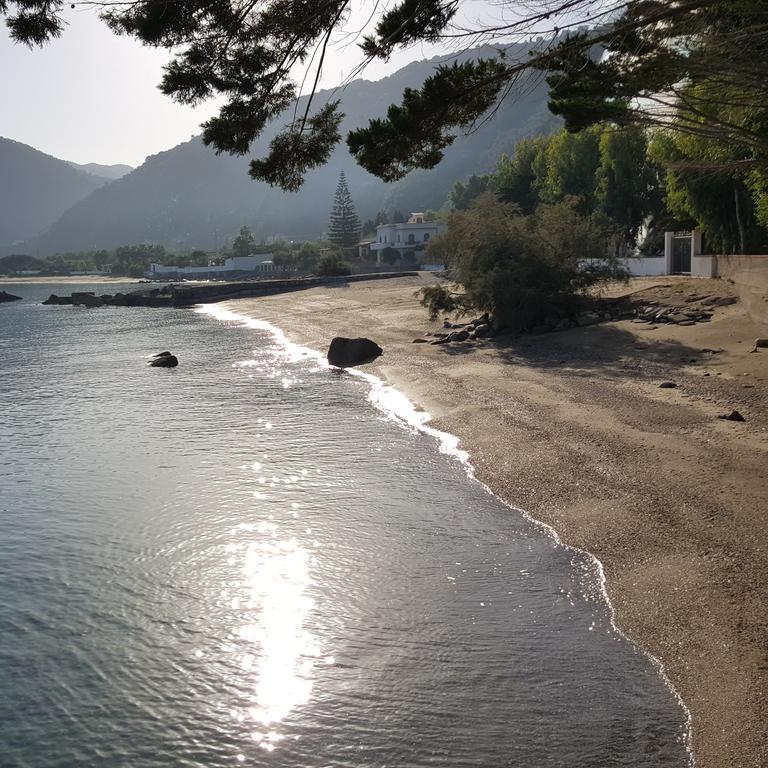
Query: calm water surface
point(240, 561)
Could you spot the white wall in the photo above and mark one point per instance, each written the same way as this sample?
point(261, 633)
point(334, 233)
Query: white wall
point(649, 266)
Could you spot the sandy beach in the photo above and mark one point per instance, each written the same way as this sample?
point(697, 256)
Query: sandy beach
point(573, 428)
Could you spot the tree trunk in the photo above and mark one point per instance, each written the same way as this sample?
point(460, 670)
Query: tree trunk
point(739, 222)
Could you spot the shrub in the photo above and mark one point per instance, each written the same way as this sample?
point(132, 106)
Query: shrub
point(332, 265)
point(438, 298)
point(524, 269)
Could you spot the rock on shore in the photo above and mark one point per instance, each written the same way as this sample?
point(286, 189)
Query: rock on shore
point(347, 353)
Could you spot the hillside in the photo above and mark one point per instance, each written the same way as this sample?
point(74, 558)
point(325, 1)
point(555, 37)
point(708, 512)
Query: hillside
point(105, 171)
point(35, 189)
point(188, 197)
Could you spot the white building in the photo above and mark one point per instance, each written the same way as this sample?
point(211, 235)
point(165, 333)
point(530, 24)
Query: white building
point(234, 266)
point(408, 236)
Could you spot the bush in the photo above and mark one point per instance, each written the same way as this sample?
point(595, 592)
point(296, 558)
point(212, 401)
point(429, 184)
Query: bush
point(438, 298)
point(524, 269)
point(390, 255)
point(332, 265)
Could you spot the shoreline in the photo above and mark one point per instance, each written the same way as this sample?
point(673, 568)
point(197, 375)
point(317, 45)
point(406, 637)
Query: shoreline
point(572, 443)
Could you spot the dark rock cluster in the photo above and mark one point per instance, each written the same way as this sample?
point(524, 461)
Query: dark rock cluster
point(478, 328)
point(5, 297)
point(153, 297)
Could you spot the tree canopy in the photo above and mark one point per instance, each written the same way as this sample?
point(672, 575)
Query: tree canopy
point(693, 66)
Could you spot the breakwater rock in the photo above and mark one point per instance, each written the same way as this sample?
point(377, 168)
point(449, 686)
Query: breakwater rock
point(185, 295)
point(5, 297)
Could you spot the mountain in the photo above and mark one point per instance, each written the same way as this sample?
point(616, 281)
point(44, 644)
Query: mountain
point(189, 197)
point(110, 172)
point(36, 189)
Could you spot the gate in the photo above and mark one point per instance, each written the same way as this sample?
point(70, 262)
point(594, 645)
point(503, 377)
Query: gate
point(681, 253)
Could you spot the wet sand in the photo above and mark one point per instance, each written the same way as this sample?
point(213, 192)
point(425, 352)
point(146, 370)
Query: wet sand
point(573, 428)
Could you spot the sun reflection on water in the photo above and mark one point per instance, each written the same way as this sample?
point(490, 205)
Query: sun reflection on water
point(282, 652)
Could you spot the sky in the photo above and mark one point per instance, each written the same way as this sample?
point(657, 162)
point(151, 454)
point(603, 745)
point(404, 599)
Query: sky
point(92, 96)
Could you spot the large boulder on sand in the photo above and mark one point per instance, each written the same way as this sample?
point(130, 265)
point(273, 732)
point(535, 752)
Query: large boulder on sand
point(346, 353)
point(8, 297)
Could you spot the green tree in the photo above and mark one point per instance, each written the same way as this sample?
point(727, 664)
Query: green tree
point(629, 187)
point(331, 264)
point(515, 179)
point(524, 269)
point(248, 53)
point(390, 255)
point(284, 259)
point(464, 193)
point(344, 224)
point(135, 259)
point(571, 162)
point(704, 190)
point(244, 243)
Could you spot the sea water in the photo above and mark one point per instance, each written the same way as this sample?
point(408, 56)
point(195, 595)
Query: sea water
point(241, 561)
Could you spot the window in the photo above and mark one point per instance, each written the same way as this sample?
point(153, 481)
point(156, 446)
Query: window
point(411, 238)
point(426, 236)
point(398, 237)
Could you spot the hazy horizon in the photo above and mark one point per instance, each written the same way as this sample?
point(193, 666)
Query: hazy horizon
point(91, 96)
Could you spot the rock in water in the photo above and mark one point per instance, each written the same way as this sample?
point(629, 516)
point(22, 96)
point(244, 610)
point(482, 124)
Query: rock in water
point(164, 360)
point(54, 299)
point(8, 297)
point(87, 300)
point(163, 354)
point(346, 353)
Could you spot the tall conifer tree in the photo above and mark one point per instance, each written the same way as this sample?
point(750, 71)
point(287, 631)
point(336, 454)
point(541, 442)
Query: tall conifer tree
point(344, 224)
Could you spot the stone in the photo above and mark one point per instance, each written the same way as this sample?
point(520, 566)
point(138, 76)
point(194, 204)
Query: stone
point(163, 354)
point(686, 322)
point(459, 336)
point(482, 330)
point(732, 416)
point(588, 318)
point(447, 324)
point(164, 361)
point(87, 300)
point(667, 385)
point(724, 301)
point(761, 343)
point(419, 341)
point(62, 300)
point(5, 297)
point(347, 353)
